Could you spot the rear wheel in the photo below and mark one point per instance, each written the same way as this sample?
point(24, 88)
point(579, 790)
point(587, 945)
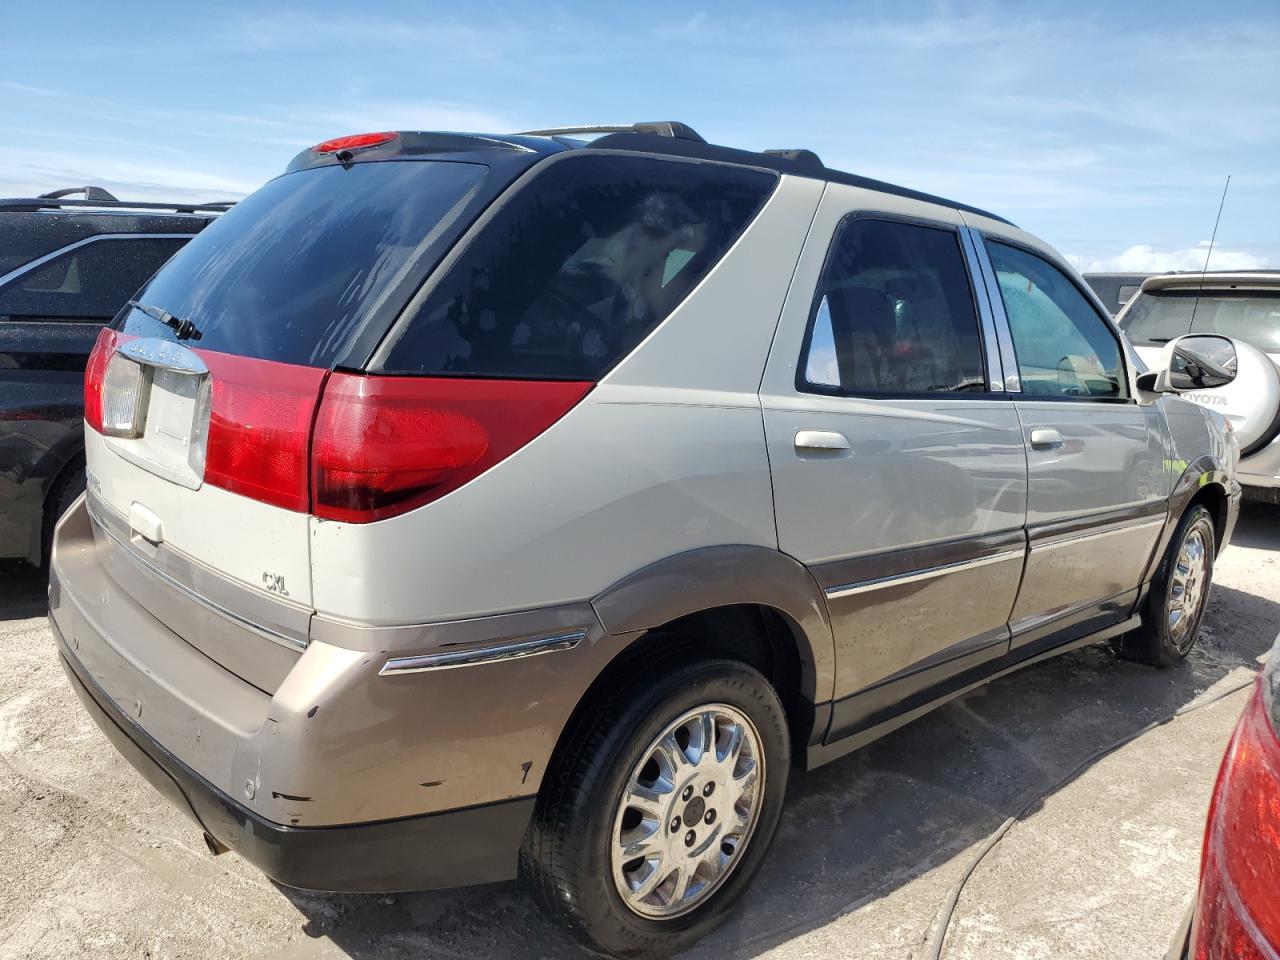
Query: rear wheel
point(661, 808)
point(1178, 596)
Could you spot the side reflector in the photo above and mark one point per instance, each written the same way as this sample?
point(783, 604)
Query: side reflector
point(259, 423)
point(385, 445)
point(354, 142)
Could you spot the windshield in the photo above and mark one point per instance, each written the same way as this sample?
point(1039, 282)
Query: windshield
point(293, 271)
point(1254, 317)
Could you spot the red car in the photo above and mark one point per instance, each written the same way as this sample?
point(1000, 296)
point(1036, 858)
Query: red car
point(1237, 911)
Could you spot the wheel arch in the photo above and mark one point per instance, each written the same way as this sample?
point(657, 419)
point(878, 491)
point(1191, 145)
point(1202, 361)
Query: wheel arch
point(752, 604)
point(718, 578)
point(1202, 481)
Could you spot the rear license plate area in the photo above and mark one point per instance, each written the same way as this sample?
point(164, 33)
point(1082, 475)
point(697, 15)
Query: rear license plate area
point(171, 444)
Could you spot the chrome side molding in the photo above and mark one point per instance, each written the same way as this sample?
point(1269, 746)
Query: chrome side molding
point(928, 573)
point(398, 666)
point(1043, 545)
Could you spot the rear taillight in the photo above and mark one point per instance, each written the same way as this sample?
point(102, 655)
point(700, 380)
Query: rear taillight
point(95, 373)
point(385, 445)
point(1238, 911)
point(259, 425)
point(342, 446)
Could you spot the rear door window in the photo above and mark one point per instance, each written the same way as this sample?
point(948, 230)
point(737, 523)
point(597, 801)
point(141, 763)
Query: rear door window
point(578, 267)
point(291, 272)
point(894, 314)
point(88, 282)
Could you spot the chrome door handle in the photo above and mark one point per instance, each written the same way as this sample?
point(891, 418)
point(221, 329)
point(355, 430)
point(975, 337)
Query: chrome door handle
point(1045, 438)
point(821, 440)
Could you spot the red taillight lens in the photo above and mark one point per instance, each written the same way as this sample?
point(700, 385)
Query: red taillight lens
point(354, 142)
point(385, 445)
point(368, 448)
point(1238, 911)
point(259, 425)
point(94, 375)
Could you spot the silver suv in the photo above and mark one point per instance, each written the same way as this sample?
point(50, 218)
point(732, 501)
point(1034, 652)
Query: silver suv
point(465, 507)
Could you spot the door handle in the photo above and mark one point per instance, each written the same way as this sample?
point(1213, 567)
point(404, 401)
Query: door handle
point(1045, 438)
point(821, 440)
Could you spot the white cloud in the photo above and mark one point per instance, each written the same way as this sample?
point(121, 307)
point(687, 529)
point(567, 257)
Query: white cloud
point(25, 173)
point(1143, 258)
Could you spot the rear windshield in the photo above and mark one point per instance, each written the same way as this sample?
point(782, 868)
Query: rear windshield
point(291, 272)
point(575, 269)
point(1254, 317)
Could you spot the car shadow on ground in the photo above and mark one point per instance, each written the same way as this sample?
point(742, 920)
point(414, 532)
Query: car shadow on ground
point(858, 828)
point(23, 590)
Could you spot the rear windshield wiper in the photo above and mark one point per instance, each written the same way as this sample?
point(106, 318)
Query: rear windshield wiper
point(183, 329)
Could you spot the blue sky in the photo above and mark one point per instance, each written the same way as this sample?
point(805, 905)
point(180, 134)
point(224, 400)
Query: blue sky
point(1106, 129)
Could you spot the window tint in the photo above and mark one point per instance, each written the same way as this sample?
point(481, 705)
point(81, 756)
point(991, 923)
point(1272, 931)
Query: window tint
point(1254, 317)
point(92, 281)
point(291, 272)
point(1064, 348)
point(580, 265)
point(894, 314)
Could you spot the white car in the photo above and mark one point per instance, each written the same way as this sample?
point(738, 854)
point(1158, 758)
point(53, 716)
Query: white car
point(1246, 308)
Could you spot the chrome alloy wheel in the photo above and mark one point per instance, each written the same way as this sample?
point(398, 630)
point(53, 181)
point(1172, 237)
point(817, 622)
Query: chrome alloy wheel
point(1188, 587)
point(687, 811)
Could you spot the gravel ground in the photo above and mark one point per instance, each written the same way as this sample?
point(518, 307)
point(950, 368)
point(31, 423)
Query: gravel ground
point(94, 864)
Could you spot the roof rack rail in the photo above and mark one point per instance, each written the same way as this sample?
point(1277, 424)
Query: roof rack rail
point(98, 198)
point(90, 193)
point(660, 128)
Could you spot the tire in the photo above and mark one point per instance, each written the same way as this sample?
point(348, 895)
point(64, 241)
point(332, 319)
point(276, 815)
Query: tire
point(1170, 624)
point(63, 493)
point(568, 858)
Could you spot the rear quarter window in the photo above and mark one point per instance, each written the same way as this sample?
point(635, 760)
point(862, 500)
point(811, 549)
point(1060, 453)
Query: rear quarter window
point(577, 267)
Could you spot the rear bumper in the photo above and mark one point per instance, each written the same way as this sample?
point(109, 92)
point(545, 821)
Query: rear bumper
point(1261, 492)
point(1260, 470)
point(343, 776)
point(454, 848)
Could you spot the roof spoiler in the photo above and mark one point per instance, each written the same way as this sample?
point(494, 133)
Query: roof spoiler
point(1214, 280)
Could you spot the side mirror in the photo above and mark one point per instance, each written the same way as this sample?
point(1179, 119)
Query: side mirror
point(1198, 362)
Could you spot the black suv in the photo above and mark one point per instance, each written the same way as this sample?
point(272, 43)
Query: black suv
point(66, 267)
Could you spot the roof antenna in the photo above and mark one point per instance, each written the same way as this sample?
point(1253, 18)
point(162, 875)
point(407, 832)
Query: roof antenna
point(1200, 289)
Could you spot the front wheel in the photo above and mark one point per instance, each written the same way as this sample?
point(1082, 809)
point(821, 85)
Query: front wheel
point(1178, 596)
point(661, 808)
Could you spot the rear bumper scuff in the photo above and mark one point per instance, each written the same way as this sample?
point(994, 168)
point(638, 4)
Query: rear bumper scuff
point(454, 848)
